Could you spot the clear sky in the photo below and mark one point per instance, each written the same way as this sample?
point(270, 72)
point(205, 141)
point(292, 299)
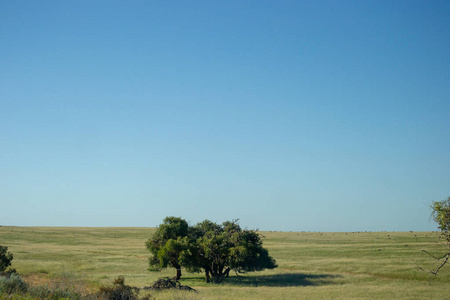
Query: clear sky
point(287, 115)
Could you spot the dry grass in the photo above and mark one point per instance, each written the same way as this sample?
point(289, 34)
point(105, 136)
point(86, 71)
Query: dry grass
point(311, 265)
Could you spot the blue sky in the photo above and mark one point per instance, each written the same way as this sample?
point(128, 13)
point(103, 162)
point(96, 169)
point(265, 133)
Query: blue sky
point(287, 115)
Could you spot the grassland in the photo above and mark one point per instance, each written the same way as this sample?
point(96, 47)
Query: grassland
point(312, 265)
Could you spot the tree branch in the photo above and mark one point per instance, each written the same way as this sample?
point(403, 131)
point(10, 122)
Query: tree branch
point(436, 258)
point(446, 256)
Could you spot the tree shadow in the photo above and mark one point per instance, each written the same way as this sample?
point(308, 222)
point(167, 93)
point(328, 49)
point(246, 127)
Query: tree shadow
point(281, 280)
point(284, 280)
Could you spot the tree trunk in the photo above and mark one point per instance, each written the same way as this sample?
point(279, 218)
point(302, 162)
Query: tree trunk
point(227, 272)
point(208, 279)
point(178, 268)
point(217, 276)
point(178, 274)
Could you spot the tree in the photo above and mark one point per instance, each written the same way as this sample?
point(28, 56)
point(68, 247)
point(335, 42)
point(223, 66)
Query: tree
point(441, 215)
point(167, 245)
point(215, 249)
point(5, 258)
point(229, 247)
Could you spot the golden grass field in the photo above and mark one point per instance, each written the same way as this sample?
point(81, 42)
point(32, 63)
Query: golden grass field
point(312, 265)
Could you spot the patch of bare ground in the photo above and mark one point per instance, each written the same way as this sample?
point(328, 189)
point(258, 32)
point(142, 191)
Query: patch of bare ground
point(37, 279)
point(72, 284)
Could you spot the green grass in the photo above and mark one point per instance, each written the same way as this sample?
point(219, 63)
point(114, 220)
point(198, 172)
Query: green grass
point(365, 265)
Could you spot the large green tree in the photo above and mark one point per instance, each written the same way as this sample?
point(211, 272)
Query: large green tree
point(215, 249)
point(226, 247)
point(168, 244)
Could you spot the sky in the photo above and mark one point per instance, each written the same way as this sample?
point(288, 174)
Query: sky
point(287, 115)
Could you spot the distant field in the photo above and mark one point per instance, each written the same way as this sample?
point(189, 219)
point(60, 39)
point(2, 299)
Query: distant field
point(365, 265)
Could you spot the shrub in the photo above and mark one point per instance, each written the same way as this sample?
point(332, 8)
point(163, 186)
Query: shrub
point(44, 292)
point(119, 291)
point(12, 284)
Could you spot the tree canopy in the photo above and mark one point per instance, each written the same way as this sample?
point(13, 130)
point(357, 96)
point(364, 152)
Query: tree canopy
point(216, 249)
point(441, 214)
point(168, 244)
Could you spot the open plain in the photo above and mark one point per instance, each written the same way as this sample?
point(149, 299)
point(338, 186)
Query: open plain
point(312, 265)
